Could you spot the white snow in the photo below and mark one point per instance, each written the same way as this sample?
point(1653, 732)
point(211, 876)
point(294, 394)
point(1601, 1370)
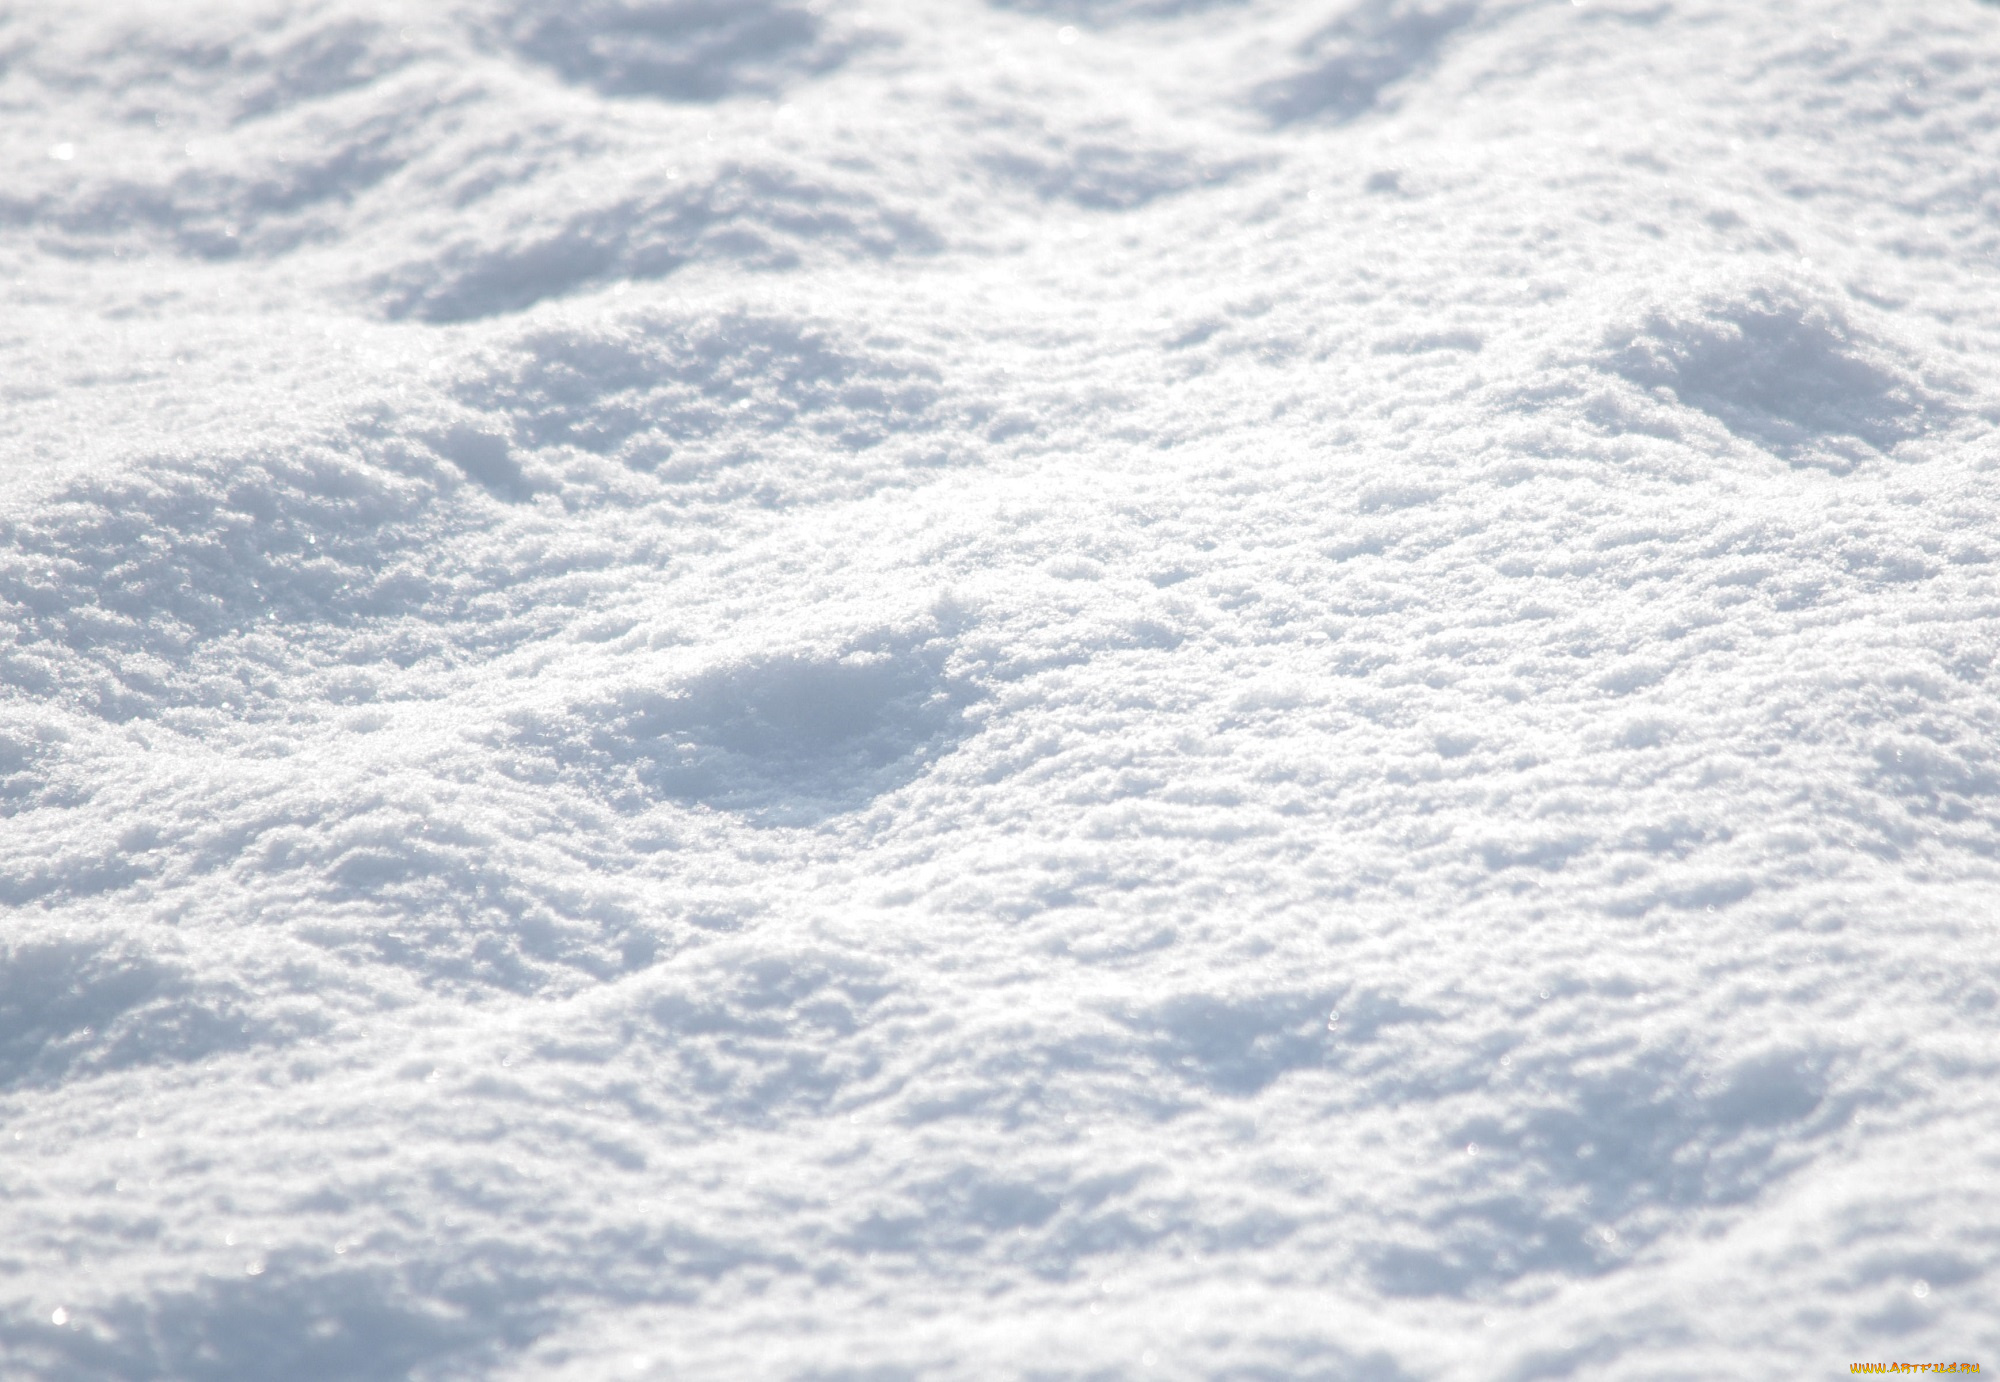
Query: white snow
point(951, 690)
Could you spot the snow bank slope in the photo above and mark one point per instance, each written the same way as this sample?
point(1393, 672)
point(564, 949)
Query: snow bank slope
point(1098, 688)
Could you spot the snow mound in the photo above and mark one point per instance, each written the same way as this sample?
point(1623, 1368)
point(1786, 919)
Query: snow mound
point(1784, 372)
point(784, 738)
point(1350, 66)
point(676, 50)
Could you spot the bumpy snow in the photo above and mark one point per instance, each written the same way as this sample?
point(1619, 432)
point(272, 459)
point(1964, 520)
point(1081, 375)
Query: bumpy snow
point(926, 689)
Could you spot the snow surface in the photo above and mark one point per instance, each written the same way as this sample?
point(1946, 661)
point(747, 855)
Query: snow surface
point(1066, 689)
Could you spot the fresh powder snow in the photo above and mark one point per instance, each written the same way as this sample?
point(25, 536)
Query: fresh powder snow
point(978, 689)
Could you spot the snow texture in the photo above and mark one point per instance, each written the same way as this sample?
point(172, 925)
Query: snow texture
point(943, 689)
